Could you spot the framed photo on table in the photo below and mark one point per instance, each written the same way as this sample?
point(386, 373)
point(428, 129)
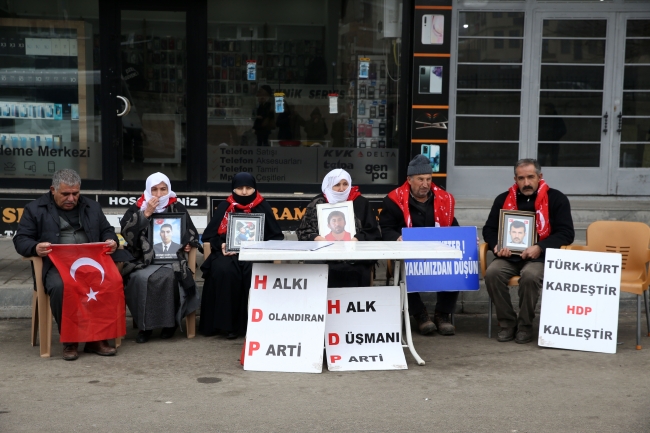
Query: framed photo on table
point(243, 227)
point(165, 234)
point(336, 221)
point(517, 230)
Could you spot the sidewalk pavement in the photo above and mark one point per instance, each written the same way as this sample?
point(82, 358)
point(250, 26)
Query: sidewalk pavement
point(469, 384)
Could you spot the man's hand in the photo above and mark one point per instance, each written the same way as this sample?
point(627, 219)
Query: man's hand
point(43, 249)
point(111, 243)
point(531, 252)
point(503, 252)
point(399, 239)
point(151, 206)
point(223, 250)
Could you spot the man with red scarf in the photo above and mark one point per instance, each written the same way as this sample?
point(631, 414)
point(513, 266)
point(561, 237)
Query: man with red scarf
point(421, 203)
point(554, 228)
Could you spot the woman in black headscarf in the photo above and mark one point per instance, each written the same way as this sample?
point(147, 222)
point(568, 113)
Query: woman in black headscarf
point(224, 303)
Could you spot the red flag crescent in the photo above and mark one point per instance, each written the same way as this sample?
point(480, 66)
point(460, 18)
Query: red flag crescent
point(93, 293)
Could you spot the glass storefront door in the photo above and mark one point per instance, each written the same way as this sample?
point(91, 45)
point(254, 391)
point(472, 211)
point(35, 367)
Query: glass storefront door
point(572, 70)
point(153, 58)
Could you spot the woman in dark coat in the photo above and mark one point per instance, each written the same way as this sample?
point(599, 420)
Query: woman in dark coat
point(337, 187)
point(158, 295)
point(224, 304)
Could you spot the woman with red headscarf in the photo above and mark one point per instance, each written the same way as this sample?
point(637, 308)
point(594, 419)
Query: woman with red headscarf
point(224, 303)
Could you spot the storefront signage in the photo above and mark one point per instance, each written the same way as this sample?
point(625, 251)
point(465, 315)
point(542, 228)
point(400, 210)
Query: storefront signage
point(39, 156)
point(286, 318)
point(304, 164)
point(363, 329)
point(580, 293)
point(121, 201)
point(443, 275)
point(11, 210)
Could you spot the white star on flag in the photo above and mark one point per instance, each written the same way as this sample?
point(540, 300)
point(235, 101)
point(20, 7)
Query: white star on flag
point(91, 294)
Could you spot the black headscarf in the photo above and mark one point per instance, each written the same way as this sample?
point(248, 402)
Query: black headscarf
point(244, 179)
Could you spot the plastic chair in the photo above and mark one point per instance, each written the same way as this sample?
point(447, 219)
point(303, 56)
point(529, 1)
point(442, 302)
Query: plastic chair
point(631, 240)
point(42, 313)
point(514, 281)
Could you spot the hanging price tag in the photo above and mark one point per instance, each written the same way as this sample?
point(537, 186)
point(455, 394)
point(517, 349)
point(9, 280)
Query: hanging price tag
point(364, 67)
point(279, 102)
point(334, 103)
point(251, 70)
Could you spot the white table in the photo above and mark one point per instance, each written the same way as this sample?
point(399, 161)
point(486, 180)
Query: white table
point(397, 251)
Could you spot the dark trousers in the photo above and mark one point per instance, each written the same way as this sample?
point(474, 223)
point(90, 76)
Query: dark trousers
point(530, 283)
point(445, 304)
point(349, 274)
point(54, 287)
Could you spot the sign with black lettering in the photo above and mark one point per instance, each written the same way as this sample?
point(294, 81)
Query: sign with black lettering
point(116, 200)
point(286, 319)
point(580, 294)
point(11, 210)
point(363, 329)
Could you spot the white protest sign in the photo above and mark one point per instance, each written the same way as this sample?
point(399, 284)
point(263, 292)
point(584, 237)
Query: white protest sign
point(286, 318)
point(580, 298)
point(363, 329)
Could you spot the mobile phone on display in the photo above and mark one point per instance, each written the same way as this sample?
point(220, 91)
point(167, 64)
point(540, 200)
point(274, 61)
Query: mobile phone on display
point(373, 112)
point(362, 91)
point(382, 111)
point(425, 77)
point(432, 151)
point(371, 92)
point(433, 29)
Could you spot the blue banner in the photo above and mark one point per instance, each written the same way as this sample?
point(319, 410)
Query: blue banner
point(443, 275)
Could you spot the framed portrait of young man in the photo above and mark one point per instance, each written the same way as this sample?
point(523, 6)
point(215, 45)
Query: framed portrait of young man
point(517, 230)
point(165, 234)
point(243, 227)
point(336, 221)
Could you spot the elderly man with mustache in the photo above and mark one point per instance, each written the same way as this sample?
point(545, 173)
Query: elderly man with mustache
point(554, 227)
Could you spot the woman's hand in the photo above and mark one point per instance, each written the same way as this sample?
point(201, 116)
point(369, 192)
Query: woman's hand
point(151, 206)
point(319, 238)
point(355, 239)
point(187, 248)
point(223, 250)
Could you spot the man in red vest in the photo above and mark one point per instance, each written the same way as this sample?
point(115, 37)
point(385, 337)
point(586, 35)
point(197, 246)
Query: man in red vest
point(421, 203)
point(554, 227)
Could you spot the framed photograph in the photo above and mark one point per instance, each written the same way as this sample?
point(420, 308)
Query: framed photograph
point(336, 221)
point(165, 234)
point(517, 230)
point(243, 227)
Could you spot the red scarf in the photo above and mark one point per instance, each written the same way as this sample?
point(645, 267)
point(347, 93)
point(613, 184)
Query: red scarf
point(141, 200)
point(234, 205)
point(354, 193)
point(443, 204)
point(542, 223)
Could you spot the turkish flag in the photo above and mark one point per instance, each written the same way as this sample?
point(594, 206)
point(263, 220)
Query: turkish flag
point(93, 293)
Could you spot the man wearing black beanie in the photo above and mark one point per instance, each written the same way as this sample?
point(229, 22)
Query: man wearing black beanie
point(421, 203)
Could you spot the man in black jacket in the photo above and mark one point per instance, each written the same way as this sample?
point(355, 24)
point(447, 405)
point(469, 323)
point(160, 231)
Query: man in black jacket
point(421, 203)
point(554, 227)
point(63, 216)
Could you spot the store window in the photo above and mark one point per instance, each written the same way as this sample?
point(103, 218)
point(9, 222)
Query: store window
point(49, 89)
point(488, 95)
point(296, 89)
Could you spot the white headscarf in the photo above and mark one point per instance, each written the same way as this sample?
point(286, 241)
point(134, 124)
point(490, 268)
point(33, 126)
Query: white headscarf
point(154, 180)
point(331, 179)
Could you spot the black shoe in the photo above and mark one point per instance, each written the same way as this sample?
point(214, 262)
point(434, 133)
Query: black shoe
point(442, 322)
point(524, 337)
point(425, 325)
point(506, 334)
point(167, 332)
point(143, 336)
